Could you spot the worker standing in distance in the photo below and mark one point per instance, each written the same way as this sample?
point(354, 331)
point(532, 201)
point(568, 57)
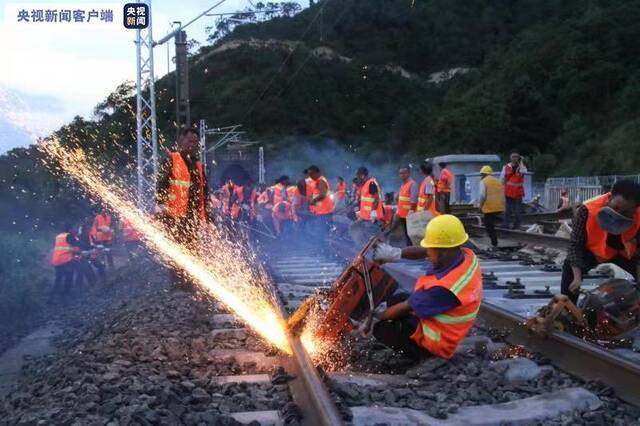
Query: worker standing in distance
point(491, 202)
point(605, 229)
point(445, 180)
point(563, 203)
point(63, 259)
point(102, 233)
point(437, 316)
point(513, 179)
point(341, 193)
point(182, 192)
point(131, 238)
point(371, 207)
point(321, 204)
point(426, 192)
point(407, 199)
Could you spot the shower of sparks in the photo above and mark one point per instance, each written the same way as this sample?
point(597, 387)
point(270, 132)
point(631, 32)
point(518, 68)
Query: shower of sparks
point(219, 266)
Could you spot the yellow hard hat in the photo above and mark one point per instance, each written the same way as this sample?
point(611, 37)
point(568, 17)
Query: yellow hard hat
point(486, 170)
point(444, 231)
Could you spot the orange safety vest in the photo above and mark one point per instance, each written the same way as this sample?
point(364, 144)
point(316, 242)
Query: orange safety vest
point(310, 187)
point(513, 183)
point(404, 198)
point(367, 200)
point(388, 213)
point(279, 193)
point(179, 183)
point(289, 212)
point(236, 207)
point(341, 191)
point(441, 334)
point(264, 199)
point(325, 206)
point(597, 237)
point(101, 230)
point(128, 232)
point(62, 250)
point(422, 196)
point(444, 181)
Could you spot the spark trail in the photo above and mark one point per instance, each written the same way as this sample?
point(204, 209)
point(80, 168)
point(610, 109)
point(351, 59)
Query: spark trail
point(220, 267)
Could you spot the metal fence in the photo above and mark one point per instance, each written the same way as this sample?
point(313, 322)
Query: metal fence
point(579, 188)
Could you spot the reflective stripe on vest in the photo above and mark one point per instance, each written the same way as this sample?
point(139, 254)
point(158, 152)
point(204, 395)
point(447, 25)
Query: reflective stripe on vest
point(62, 251)
point(404, 198)
point(442, 334)
point(597, 237)
point(422, 196)
point(367, 200)
point(102, 227)
point(179, 183)
point(325, 206)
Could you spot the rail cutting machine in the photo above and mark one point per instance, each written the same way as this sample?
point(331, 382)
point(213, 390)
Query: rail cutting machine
point(355, 294)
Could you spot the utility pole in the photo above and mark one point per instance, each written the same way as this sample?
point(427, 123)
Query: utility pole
point(146, 126)
point(183, 110)
point(261, 169)
point(146, 129)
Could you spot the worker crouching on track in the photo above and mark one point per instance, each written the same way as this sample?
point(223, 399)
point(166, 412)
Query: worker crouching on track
point(65, 260)
point(437, 316)
point(605, 230)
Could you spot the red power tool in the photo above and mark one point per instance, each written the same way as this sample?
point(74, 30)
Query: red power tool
point(355, 294)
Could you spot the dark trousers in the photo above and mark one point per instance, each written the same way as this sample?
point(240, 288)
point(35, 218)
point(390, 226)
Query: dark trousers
point(403, 223)
point(591, 262)
point(490, 220)
point(84, 272)
point(443, 199)
point(185, 232)
point(64, 278)
point(396, 334)
point(513, 207)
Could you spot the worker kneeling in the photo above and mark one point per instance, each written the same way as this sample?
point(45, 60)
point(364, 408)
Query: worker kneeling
point(437, 316)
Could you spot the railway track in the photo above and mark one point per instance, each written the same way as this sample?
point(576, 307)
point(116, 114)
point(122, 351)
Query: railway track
point(374, 386)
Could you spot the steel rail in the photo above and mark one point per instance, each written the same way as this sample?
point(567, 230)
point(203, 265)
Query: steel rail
point(307, 389)
point(569, 353)
point(525, 237)
point(527, 219)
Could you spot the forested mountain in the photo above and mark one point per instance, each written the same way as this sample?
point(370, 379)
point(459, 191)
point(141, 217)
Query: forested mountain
point(398, 80)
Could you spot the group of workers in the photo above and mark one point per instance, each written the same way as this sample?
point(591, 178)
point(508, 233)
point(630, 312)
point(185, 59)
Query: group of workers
point(81, 252)
point(441, 310)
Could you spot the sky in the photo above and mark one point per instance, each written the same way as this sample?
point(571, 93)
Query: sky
point(67, 68)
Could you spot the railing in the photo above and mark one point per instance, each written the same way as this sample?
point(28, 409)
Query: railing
point(579, 188)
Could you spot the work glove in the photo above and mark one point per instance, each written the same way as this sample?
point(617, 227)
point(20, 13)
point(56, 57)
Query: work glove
point(374, 215)
point(383, 252)
point(613, 270)
point(245, 207)
point(366, 327)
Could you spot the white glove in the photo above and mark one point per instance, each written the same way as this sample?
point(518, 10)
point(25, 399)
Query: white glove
point(374, 215)
point(160, 209)
point(384, 252)
point(366, 327)
point(613, 270)
point(245, 207)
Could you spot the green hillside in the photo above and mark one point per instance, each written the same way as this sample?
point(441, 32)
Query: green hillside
point(556, 80)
